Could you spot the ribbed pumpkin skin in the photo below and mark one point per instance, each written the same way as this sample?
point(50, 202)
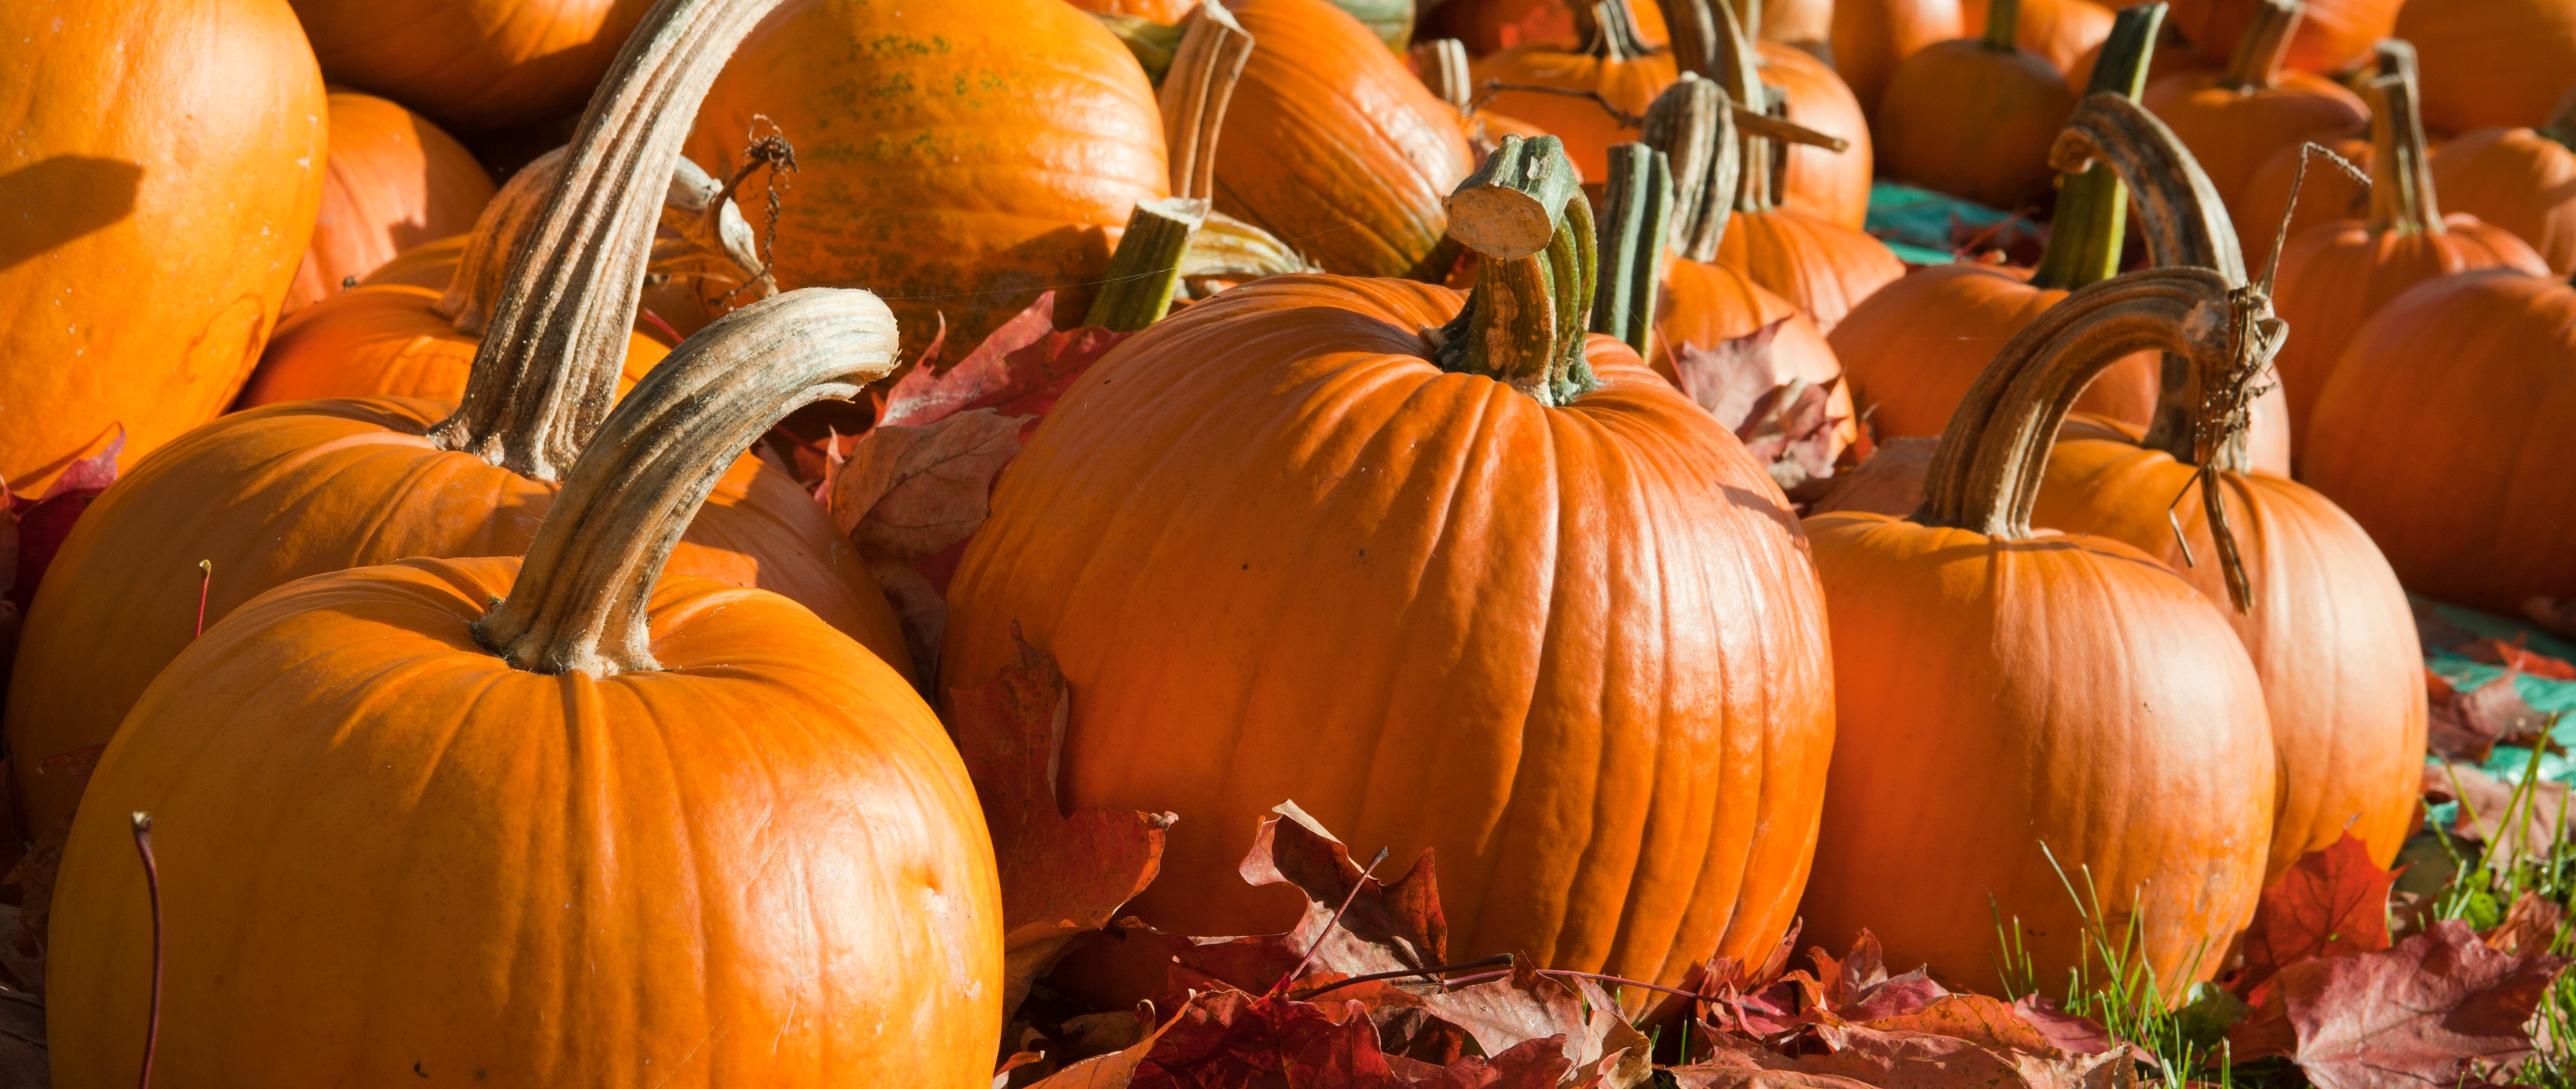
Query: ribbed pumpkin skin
point(1587, 129)
point(2442, 431)
point(760, 865)
point(2334, 36)
point(1707, 305)
point(1974, 122)
point(1913, 349)
point(275, 494)
point(163, 161)
point(2335, 276)
point(1576, 650)
point(2491, 63)
point(394, 181)
point(1331, 144)
point(955, 158)
point(1993, 696)
point(1825, 268)
point(1831, 185)
point(2231, 133)
point(472, 64)
point(2330, 633)
point(1872, 36)
point(383, 341)
point(2516, 179)
point(2061, 31)
point(430, 264)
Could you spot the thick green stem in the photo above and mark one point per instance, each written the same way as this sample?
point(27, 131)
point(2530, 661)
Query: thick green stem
point(2256, 64)
point(1636, 219)
point(2401, 173)
point(2562, 127)
point(2003, 26)
point(1693, 125)
point(1147, 264)
point(2092, 219)
point(1524, 214)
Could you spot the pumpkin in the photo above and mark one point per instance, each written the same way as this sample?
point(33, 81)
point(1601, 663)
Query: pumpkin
point(1821, 181)
point(2233, 120)
point(278, 493)
point(1330, 144)
point(2440, 432)
point(2491, 63)
point(2336, 35)
point(1166, 12)
point(1491, 26)
point(164, 165)
point(2334, 276)
point(2062, 31)
point(406, 341)
point(2015, 710)
point(1804, 25)
point(1613, 63)
point(1290, 460)
point(2520, 179)
point(1871, 37)
point(1974, 117)
point(394, 180)
point(1915, 347)
point(2316, 605)
point(649, 826)
point(957, 181)
point(475, 67)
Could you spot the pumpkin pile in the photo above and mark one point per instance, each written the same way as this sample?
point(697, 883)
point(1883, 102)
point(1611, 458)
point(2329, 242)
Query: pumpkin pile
point(868, 542)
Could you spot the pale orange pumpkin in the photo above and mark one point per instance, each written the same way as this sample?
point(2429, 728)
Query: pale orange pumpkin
point(2520, 179)
point(1613, 62)
point(1974, 118)
point(2236, 119)
point(475, 66)
point(394, 181)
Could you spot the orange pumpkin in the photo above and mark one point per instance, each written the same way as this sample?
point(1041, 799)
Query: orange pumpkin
point(1613, 63)
point(2235, 119)
point(2336, 35)
point(2334, 276)
point(1871, 37)
point(1491, 26)
point(1706, 306)
point(476, 66)
point(279, 493)
point(1804, 25)
point(1330, 144)
point(2523, 180)
point(1974, 118)
point(1166, 12)
point(2062, 31)
point(1286, 459)
point(2014, 709)
point(2325, 194)
point(164, 164)
point(2441, 429)
point(394, 181)
point(617, 825)
point(2491, 63)
point(958, 181)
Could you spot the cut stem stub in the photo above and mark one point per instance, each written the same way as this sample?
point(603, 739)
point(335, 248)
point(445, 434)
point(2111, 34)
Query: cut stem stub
point(1524, 214)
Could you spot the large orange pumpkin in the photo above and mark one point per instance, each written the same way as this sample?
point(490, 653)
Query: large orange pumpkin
point(2491, 63)
point(2015, 710)
point(1974, 118)
point(394, 181)
point(2441, 431)
point(956, 158)
point(2336, 35)
point(2334, 276)
point(1613, 63)
point(472, 64)
point(2233, 120)
point(1871, 37)
point(2520, 179)
point(291, 490)
point(2063, 31)
point(163, 165)
point(617, 826)
point(1512, 573)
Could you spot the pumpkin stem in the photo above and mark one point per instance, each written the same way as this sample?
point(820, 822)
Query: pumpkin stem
point(1205, 67)
point(2003, 28)
point(2092, 219)
point(578, 605)
point(1692, 124)
point(1612, 33)
point(1636, 219)
point(1524, 214)
point(547, 370)
point(151, 890)
point(1442, 65)
point(2256, 63)
point(1147, 264)
point(2401, 174)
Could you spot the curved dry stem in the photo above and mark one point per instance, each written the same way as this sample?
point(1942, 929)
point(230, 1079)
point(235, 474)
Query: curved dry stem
point(1524, 214)
point(2401, 171)
point(1442, 65)
point(547, 370)
point(2179, 211)
point(579, 603)
point(1194, 94)
point(1693, 124)
point(2256, 64)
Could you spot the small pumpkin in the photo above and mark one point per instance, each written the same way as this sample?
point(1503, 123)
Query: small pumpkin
point(1613, 63)
point(958, 159)
point(165, 162)
point(2062, 31)
point(1974, 117)
point(1872, 37)
point(475, 67)
point(1294, 459)
point(2336, 36)
point(2335, 275)
point(2520, 179)
point(393, 181)
point(2491, 63)
point(1491, 26)
point(647, 823)
point(2233, 120)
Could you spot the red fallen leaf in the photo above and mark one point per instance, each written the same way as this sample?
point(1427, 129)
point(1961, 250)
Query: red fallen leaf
point(2467, 725)
point(2529, 926)
point(1989, 1023)
point(1531, 1064)
point(1784, 420)
point(2490, 814)
point(1390, 926)
point(2517, 658)
point(1020, 370)
point(907, 494)
point(1062, 876)
point(2417, 1013)
point(2330, 902)
point(44, 521)
point(1114, 1070)
point(1506, 1013)
point(2070, 1033)
point(1905, 1059)
point(1231, 1038)
point(1723, 980)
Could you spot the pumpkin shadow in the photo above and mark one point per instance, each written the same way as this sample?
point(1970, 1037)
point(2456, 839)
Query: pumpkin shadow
point(56, 200)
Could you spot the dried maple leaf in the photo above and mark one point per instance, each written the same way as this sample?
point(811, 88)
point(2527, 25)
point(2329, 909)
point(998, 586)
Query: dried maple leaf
point(1501, 1014)
point(1784, 420)
point(1062, 876)
point(906, 494)
point(2529, 926)
point(1389, 926)
point(2515, 821)
point(1019, 370)
point(41, 523)
point(1231, 1038)
point(2516, 658)
point(2330, 902)
point(2417, 1013)
point(1722, 980)
point(1116, 1069)
point(2070, 1033)
point(2467, 725)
